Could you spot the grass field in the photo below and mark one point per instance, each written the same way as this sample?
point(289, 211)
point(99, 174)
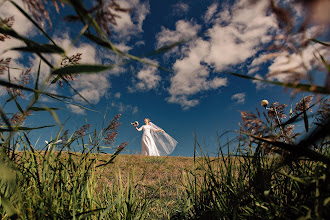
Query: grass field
point(158, 179)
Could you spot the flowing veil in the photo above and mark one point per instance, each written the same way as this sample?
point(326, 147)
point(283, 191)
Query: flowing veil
point(164, 142)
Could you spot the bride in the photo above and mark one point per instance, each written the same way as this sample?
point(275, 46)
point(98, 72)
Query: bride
point(155, 141)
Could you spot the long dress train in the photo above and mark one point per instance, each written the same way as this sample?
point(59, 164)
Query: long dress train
point(156, 143)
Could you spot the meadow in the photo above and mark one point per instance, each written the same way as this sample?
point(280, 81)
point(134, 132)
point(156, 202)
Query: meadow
point(268, 171)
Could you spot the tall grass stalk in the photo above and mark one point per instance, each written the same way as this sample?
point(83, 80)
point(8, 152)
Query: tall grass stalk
point(61, 184)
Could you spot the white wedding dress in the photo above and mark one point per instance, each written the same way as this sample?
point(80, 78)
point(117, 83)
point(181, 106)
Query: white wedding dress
point(156, 143)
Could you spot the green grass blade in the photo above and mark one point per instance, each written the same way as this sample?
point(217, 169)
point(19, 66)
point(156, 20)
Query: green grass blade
point(66, 81)
point(41, 48)
point(26, 128)
point(19, 106)
point(70, 103)
point(9, 208)
point(108, 45)
point(82, 68)
point(296, 149)
point(303, 87)
point(5, 119)
point(12, 85)
point(305, 115)
point(36, 109)
point(320, 42)
point(101, 42)
point(36, 86)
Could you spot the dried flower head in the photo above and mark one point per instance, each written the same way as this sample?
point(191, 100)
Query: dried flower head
point(304, 104)
point(19, 118)
point(122, 146)
point(24, 79)
point(111, 130)
point(252, 123)
point(82, 130)
point(69, 61)
point(6, 23)
point(104, 12)
point(277, 110)
point(38, 11)
point(323, 112)
point(4, 65)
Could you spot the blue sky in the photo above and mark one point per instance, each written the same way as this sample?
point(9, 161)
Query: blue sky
point(195, 96)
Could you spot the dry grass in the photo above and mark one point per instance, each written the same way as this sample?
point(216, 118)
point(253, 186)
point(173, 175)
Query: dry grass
point(158, 179)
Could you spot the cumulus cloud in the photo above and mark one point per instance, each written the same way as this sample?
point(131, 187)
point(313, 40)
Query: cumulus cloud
point(211, 10)
point(130, 24)
point(183, 29)
point(192, 77)
point(239, 98)
point(147, 78)
point(246, 28)
point(289, 67)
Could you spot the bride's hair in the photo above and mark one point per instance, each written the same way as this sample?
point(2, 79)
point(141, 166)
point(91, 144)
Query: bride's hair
point(148, 119)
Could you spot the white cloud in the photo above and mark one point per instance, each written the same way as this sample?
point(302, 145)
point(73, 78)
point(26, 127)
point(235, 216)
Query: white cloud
point(147, 78)
point(130, 24)
point(92, 87)
point(183, 30)
point(290, 67)
point(123, 47)
point(191, 77)
point(259, 84)
point(76, 109)
point(227, 44)
point(211, 10)
point(239, 98)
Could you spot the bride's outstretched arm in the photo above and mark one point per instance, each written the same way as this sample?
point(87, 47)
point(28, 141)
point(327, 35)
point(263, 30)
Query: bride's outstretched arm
point(138, 129)
point(157, 130)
